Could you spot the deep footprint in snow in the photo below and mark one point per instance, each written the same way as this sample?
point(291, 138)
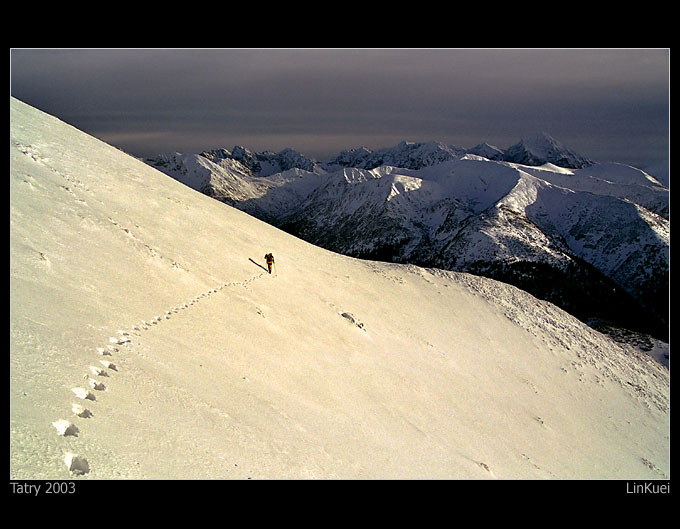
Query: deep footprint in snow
point(76, 464)
point(109, 365)
point(65, 428)
point(94, 384)
point(84, 394)
point(120, 341)
point(81, 411)
point(98, 371)
point(486, 467)
point(350, 317)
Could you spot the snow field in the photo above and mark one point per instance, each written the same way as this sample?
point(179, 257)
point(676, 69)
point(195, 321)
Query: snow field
point(148, 342)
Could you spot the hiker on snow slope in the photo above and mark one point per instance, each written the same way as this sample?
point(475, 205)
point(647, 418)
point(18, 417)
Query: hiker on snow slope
point(270, 261)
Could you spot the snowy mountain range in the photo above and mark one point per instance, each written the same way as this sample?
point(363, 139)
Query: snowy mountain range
point(591, 237)
point(537, 149)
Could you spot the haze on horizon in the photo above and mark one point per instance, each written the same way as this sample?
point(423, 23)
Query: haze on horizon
point(607, 104)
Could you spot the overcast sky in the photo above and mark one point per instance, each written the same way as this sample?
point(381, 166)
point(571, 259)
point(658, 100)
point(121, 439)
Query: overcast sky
point(609, 105)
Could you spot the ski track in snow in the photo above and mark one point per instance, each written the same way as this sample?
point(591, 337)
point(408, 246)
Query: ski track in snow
point(97, 375)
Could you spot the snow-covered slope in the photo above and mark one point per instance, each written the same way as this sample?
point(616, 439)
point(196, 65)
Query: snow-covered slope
point(612, 180)
point(147, 341)
point(267, 197)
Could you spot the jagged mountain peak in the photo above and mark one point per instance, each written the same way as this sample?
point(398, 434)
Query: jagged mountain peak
point(406, 154)
point(540, 148)
point(486, 150)
point(264, 163)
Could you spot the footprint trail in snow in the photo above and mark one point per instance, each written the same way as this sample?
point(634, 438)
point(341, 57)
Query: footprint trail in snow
point(106, 368)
